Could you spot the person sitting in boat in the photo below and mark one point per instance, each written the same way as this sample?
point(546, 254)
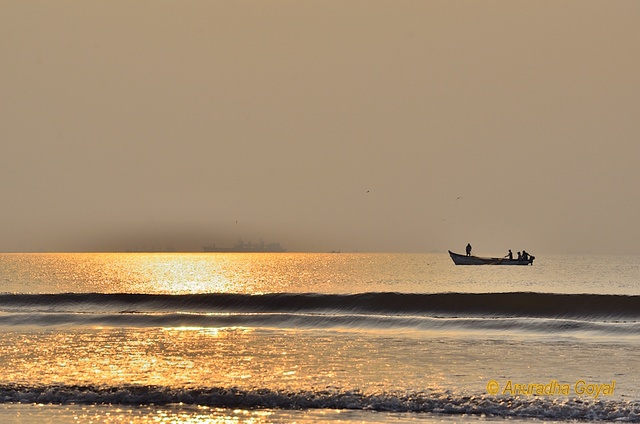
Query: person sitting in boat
point(519, 256)
point(525, 255)
point(468, 249)
point(509, 255)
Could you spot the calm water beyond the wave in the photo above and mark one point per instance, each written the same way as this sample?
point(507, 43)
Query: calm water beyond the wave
point(272, 338)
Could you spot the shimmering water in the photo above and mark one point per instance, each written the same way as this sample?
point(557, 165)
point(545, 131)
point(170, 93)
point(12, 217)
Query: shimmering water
point(316, 337)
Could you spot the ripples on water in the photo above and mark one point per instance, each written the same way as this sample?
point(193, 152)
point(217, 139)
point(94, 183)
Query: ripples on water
point(311, 355)
point(301, 272)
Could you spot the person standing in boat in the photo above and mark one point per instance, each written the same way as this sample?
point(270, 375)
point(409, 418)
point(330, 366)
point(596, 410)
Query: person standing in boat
point(468, 249)
point(525, 255)
point(509, 255)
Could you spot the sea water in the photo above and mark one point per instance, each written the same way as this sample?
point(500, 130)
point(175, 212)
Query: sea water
point(293, 337)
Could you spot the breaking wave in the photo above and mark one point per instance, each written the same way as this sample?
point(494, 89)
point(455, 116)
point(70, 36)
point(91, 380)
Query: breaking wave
point(594, 315)
point(331, 398)
point(517, 304)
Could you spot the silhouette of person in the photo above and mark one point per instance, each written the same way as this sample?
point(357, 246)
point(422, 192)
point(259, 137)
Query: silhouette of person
point(510, 254)
point(525, 255)
point(519, 256)
point(468, 249)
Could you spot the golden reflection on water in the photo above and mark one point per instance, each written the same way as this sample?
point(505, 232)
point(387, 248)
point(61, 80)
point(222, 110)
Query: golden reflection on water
point(55, 414)
point(254, 273)
point(182, 273)
point(223, 357)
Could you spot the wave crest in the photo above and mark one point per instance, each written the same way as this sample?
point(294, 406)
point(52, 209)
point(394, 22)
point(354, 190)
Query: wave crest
point(232, 397)
point(516, 304)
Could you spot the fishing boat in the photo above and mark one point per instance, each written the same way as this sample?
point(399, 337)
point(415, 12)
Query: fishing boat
point(459, 259)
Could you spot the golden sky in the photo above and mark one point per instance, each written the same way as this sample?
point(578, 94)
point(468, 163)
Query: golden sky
point(325, 125)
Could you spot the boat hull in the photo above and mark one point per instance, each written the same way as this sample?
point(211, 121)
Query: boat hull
point(459, 259)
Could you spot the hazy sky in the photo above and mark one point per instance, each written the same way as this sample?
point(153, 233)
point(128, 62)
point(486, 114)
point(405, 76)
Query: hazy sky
point(366, 125)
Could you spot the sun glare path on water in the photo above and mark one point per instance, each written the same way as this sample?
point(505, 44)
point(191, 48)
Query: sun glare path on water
point(260, 273)
point(193, 273)
point(153, 273)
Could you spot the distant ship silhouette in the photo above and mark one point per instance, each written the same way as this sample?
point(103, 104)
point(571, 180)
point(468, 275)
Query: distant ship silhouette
point(247, 247)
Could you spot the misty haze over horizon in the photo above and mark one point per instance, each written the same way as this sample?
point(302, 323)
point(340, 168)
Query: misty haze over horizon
point(355, 126)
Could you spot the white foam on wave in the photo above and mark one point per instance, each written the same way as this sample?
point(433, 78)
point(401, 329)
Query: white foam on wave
point(422, 402)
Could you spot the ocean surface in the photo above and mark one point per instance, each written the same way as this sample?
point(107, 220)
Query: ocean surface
point(296, 337)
